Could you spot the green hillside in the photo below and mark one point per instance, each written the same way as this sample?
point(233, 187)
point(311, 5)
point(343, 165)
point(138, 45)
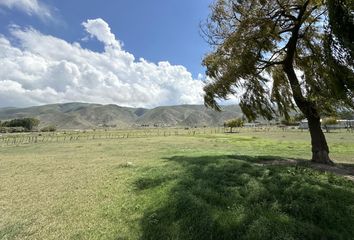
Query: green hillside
point(85, 115)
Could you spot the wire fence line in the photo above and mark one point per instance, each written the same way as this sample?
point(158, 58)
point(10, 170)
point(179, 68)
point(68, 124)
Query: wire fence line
point(72, 136)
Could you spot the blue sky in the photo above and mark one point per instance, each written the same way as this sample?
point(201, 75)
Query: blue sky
point(157, 30)
point(158, 41)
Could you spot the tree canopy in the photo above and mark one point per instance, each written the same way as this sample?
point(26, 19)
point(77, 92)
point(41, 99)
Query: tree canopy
point(341, 21)
point(234, 123)
point(251, 42)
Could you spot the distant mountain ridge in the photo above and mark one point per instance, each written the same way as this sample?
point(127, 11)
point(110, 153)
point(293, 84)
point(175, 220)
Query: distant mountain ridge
point(86, 115)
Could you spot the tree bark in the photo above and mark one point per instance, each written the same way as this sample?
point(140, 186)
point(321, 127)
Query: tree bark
point(320, 150)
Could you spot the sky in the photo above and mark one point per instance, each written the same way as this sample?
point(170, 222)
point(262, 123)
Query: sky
point(126, 52)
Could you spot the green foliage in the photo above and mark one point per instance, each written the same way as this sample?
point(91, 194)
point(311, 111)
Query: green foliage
point(50, 128)
point(27, 123)
point(255, 40)
point(234, 123)
point(346, 114)
point(341, 19)
point(329, 121)
point(298, 117)
point(339, 49)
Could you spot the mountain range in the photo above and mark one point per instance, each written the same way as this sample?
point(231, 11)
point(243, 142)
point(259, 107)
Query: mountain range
point(87, 116)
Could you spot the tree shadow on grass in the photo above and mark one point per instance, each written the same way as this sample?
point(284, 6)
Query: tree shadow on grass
point(344, 169)
point(235, 197)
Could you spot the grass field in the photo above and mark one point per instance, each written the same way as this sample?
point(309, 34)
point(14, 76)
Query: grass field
point(207, 186)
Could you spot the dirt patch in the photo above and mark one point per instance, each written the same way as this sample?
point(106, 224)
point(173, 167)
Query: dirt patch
point(342, 170)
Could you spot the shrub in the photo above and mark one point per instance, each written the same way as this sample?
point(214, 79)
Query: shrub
point(329, 121)
point(12, 129)
point(50, 128)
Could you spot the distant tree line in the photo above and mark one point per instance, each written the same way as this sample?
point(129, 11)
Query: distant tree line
point(28, 124)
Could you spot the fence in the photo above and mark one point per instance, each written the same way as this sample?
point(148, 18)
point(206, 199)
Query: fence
point(72, 136)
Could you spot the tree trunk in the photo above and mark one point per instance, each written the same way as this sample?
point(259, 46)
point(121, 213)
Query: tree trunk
point(320, 150)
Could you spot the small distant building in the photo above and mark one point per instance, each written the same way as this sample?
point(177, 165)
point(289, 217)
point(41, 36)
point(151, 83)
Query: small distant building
point(251, 125)
point(304, 124)
point(341, 124)
point(345, 123)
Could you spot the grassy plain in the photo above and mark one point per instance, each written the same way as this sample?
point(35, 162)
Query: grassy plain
point(207, 186)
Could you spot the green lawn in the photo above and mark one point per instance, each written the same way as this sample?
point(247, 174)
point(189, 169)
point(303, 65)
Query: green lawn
point(175, 187)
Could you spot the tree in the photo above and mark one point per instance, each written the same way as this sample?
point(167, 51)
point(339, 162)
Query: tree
point(233, 123)
point(31, 123)
point(271, 53)
point(27, 123)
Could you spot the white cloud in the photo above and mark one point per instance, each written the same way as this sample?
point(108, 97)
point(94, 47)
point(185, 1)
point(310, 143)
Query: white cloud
point(58, 71)
point(30, 7)
point(100, 29)
point(200, 76)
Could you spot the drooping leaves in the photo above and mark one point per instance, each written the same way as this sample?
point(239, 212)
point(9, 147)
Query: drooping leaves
point(250, 44)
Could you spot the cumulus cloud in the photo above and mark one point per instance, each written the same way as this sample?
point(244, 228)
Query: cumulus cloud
point(100, 29)
point(58, 71)
point(30, 7)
